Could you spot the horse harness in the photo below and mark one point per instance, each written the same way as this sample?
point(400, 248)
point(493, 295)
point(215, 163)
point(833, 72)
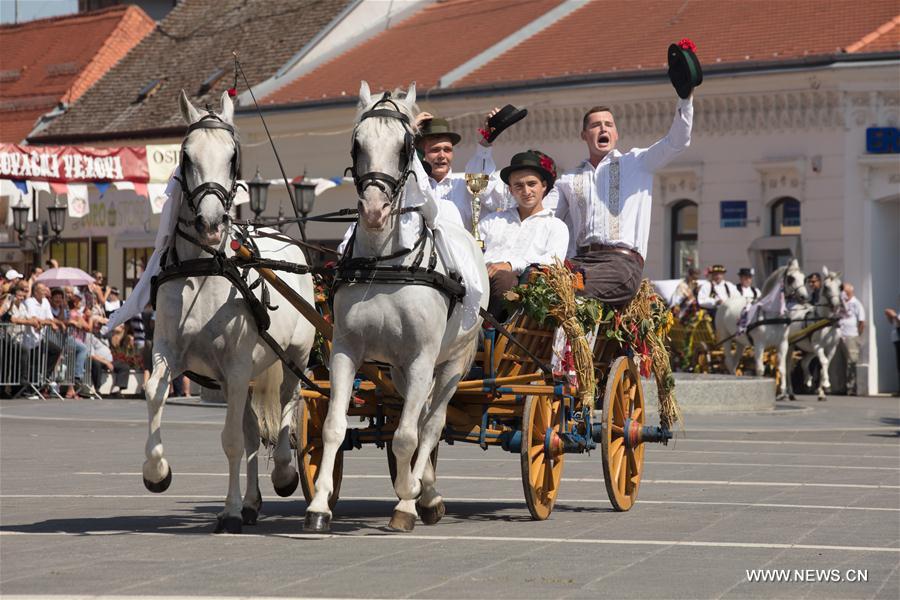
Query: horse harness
point(390, 185)
point(350, 270)
point(218, 264)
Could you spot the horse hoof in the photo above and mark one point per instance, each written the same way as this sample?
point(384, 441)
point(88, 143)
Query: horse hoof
point(228, 525)
point(431, 514)
point(402, 521)
point(290, 488)
point(249, 515)
point(317, 522)
point(160, 486)
point(792, 398)
point(822, 398)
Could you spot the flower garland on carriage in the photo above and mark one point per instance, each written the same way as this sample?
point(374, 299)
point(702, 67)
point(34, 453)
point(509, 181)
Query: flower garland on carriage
point(641, 329)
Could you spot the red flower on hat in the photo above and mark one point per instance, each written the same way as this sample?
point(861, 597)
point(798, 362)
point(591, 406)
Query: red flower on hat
point(232, 92)
point(547, 164)
point(687, 44)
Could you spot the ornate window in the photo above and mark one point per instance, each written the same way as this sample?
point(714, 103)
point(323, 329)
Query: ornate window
point(785, 216)
point(684, 237)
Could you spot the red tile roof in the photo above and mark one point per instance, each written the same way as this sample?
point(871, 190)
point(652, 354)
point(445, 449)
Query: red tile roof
point(621, 36)
point(51, 60)
point(421, 48)
point(189, 46)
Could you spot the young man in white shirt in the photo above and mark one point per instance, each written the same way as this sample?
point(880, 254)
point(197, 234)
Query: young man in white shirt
point(606, 200)
point(851, 326)
point(525, 234)
point(745, 285)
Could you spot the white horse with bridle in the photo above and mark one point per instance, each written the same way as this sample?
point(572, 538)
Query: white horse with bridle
point(206, 328)
point(821, 343)
point(769, 327)
point(417, 328)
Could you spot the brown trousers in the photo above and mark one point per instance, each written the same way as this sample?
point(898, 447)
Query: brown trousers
point(611, 277)
point(501, 282)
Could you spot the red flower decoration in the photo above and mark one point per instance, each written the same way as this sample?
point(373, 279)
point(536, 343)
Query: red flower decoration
point(687, 44)
point(547, 164)
point(484, 133)
point(232, 92)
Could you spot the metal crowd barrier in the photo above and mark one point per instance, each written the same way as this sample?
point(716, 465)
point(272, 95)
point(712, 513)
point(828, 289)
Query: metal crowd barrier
point(24, 360)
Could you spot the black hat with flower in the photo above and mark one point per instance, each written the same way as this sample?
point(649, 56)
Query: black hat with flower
point(534, 160)
point(684, 67)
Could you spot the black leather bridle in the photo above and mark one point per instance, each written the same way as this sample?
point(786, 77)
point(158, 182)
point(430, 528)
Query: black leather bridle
point(390, 185)
point(225, 196)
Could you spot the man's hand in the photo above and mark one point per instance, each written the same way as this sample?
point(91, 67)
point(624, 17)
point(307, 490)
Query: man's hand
point(422, 117)
point(497, 267)
point(487, 127)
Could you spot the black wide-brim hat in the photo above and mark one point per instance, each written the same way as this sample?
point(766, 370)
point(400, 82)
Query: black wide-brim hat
point(507, 116)
point(438, 127)
point(534, 160)
point(684, 68)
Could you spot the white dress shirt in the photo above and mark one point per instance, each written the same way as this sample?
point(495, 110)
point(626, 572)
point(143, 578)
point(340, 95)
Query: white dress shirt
point(42, 310)
point(751, 293)
point(537, 240)
point(455, 200)
point(709, 295)
point(610, 204)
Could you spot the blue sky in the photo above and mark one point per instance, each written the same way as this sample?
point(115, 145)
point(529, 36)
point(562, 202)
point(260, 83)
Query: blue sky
point(35, 9)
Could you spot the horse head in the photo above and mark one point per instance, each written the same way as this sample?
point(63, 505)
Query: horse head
point(382, 151)
point(831, 288)
point(210, 165)
point(794, 282)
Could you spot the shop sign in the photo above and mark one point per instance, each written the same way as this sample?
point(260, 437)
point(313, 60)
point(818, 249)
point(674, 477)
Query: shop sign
point(883, 140)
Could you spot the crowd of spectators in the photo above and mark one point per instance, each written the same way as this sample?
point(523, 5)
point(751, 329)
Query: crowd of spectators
point(77, 318)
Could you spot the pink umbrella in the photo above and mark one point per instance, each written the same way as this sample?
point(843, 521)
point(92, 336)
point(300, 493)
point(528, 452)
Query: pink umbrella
point(65, 276)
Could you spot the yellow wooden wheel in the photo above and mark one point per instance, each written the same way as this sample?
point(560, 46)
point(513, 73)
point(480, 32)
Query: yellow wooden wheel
point(310, 417)
point(623, 418)
point(541, 458)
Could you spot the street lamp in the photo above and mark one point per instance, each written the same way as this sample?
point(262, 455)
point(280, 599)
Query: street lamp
point(259, 191)
point(42, 237)
point(304, 199)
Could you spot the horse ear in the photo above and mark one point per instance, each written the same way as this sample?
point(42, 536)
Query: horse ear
point(365, 96)
point(227, 113)
point(794, 264)
point(190, 114)
point(411, 95)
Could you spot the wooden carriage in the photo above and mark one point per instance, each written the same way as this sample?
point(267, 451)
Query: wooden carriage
point(513, 404)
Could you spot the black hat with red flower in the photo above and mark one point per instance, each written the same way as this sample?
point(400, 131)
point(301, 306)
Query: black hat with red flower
point(684, 67)
point(534, 160)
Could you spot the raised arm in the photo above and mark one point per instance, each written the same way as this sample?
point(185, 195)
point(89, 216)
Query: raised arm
point(679, 137)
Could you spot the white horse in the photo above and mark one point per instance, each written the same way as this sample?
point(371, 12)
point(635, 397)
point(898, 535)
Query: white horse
point(790, 280)
point(822, 343)
point(405, 325)
point(204, 326)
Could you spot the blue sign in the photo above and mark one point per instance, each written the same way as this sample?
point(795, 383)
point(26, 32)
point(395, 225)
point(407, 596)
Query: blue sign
point(732, 213)
point(883, 140)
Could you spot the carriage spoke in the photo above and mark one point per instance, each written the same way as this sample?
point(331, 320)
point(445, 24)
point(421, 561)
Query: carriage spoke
point(637, 413)
point(632, 468)
point(622, 472)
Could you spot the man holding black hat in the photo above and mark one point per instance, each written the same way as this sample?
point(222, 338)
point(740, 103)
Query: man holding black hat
point(436, 140)
point(606, 201)
point(745, 285)
point(525, 234)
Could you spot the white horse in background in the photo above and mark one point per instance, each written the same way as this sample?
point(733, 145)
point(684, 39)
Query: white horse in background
point(204, 326)
point(405, 325)
point(822, 343)
point(790, 279)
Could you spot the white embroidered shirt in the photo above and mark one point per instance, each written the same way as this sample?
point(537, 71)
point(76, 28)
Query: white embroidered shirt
point(537, 240)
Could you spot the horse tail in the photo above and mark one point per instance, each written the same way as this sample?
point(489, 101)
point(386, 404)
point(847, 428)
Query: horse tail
point(267, 402)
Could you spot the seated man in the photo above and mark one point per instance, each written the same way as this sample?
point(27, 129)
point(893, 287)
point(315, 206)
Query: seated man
point(525, 234)
point(745, 285)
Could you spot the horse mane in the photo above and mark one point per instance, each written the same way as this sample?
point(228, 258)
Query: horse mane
point(772, 280)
